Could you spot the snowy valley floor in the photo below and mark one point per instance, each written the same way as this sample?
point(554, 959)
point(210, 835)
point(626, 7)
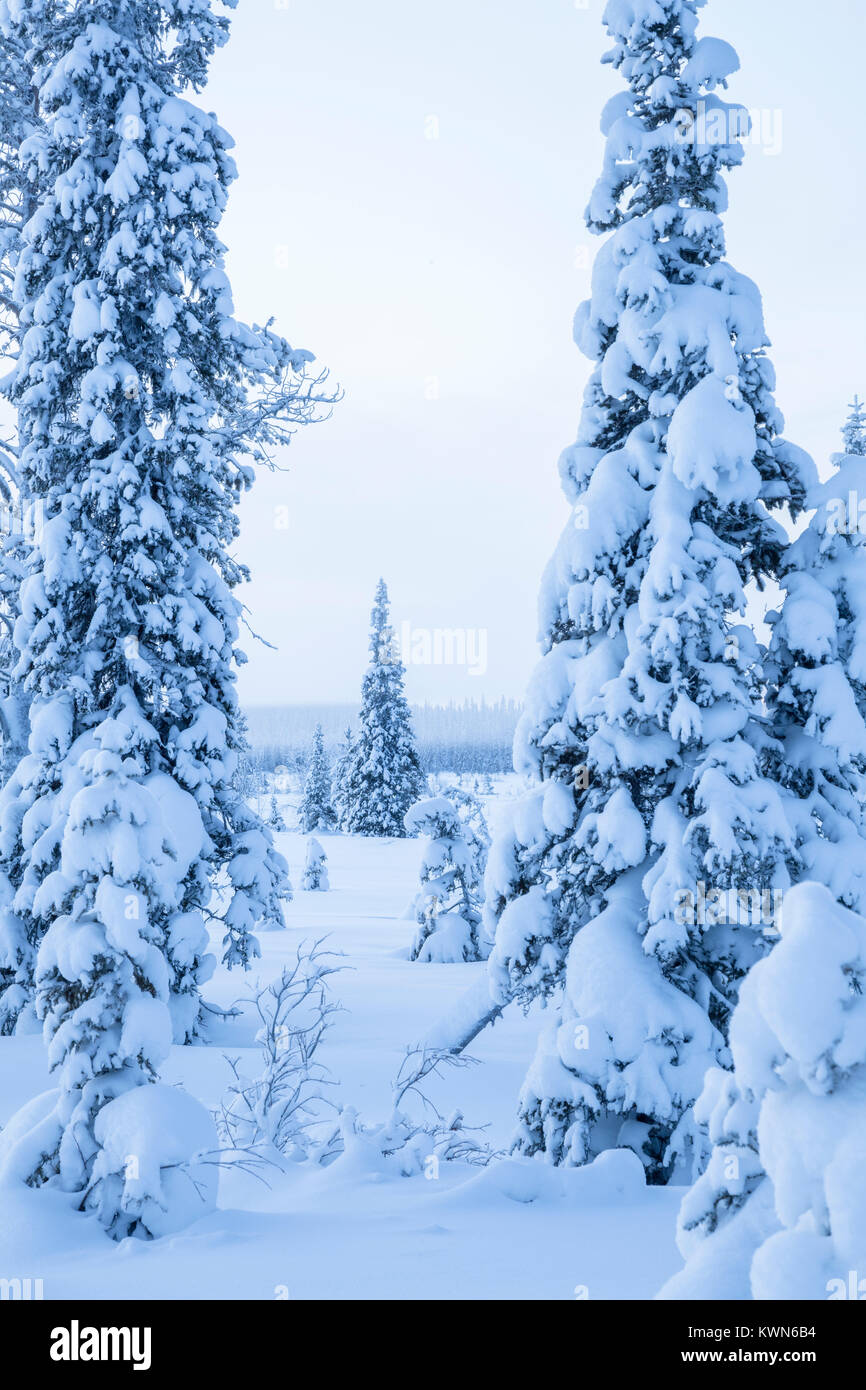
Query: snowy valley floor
point(513, 1230)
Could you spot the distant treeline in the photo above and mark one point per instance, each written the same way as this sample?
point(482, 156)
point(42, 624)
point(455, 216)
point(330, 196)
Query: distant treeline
point(470, 737)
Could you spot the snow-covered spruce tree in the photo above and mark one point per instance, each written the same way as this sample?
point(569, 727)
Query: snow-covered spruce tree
point(817, 671)
point(142, 405)
point(383, 777)
point(802, 1035)
point(780, 1210)
point(817, 676)
point(854, 433)
point(339, 773)
point(316, 811)
point(172, 393)
point(448, 906)
point(275, 816)
point(616, 887)
point(315, 868)
point(475, 830)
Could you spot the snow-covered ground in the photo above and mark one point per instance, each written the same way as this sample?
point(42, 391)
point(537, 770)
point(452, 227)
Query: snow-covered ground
point(515, 1229)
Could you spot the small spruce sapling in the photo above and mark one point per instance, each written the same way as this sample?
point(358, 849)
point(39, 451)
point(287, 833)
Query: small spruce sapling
point(315, 868)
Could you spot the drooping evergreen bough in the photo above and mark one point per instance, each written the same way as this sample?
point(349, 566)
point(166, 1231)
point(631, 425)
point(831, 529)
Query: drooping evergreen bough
point(632, 884)
point(383, 776)
point(143, 404)
point(316, 811)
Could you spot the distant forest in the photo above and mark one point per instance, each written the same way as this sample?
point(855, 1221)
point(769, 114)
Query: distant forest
point(469, 737)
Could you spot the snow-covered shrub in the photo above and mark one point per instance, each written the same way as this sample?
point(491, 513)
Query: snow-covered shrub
point(156, 1170)
point(156, 1165)
point(780, 1212)
point(415, 1138)
point(382, 775)
point(275, 818)
point(643, 726)
point(448, 907)
point(315, 868)
point(316, 811)
point(285, 1108)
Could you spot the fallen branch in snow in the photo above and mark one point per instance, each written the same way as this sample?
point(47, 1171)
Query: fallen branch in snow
point(472, 1012)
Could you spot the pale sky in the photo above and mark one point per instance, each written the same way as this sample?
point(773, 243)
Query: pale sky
point(409, 207)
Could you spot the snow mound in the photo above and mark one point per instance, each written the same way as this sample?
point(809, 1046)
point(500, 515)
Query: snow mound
point(616, 1176)
point(157, 1162)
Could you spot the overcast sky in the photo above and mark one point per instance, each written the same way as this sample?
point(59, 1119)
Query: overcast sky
point(409, 208)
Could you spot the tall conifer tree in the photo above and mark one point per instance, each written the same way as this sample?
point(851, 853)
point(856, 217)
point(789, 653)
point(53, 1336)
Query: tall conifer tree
point(316, 811)
point(383, 776)
point(143, 404)
point(612, 890)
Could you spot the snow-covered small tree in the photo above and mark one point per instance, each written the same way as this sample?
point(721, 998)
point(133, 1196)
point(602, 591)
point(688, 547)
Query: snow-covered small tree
point(630, 884)
point(817, 673)
point(383, 776)
point(854, 432)
point(817, 701)
point(780, 1212)
point(315, 868)
point(475, 829)
point(275, 817)
point(448, 906)
point(339, 773)
point(316, 811)
point(142, 406)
